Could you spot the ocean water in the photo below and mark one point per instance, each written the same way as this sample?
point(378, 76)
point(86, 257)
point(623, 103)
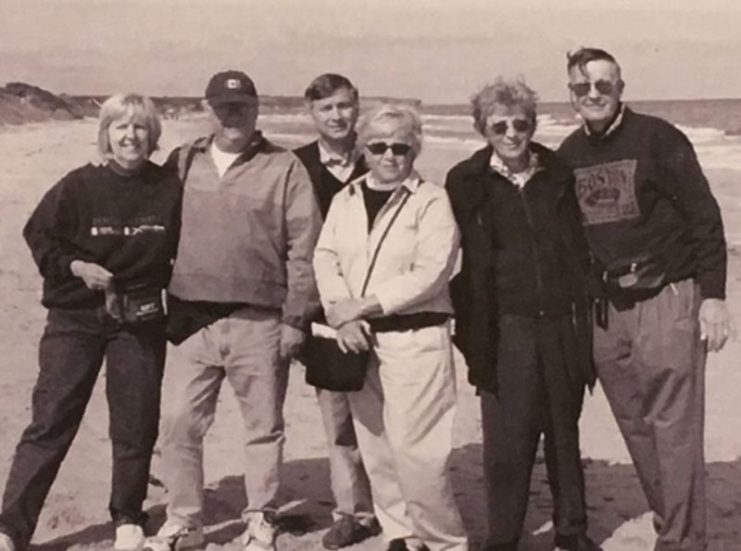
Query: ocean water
point(713, 126)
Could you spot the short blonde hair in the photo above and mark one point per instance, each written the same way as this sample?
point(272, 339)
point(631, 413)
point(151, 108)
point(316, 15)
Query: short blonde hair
point(120, 105)
point(407, 119)
point(509, 93)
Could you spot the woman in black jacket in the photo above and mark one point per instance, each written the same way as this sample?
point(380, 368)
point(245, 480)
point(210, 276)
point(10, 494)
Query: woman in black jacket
point(521, 313)
point(103, 239)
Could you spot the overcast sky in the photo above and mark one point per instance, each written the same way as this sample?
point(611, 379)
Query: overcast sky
point(436, 50)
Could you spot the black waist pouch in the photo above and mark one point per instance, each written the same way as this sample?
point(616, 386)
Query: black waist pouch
point(135, 303)
point(635, 280)
point(186, 318)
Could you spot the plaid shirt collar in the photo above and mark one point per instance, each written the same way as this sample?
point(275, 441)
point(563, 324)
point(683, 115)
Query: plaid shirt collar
point(517, 178)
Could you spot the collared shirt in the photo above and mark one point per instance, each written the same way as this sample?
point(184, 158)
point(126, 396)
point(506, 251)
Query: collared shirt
point(614, 126)
point(415, 261)
point(517, 178)
point(340, 167)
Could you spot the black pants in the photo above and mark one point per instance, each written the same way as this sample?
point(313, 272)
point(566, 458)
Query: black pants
point(71, 353)
point(539, 393)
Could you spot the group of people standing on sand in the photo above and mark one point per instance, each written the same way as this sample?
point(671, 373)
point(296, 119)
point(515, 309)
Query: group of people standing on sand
point(604, 260)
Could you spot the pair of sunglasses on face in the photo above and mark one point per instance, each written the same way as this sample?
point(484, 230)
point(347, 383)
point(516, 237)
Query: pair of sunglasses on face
point(603, 87)
point(397, 149)
point(521, 126)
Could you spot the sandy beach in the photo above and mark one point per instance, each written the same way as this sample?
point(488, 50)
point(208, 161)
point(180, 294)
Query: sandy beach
point(76, 514)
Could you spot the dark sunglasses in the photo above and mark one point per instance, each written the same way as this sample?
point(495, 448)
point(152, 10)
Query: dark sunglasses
point(518, 125)
point(581, 89)
point(379, 148)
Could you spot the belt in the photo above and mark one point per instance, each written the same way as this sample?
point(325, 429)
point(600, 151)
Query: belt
point(407, 322)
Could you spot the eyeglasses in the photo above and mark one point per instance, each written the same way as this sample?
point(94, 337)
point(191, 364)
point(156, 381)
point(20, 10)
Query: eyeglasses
point(604, 87)
point(518, 125)
point(398, 149)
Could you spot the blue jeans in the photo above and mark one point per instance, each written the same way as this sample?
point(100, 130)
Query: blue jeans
point(71, 353)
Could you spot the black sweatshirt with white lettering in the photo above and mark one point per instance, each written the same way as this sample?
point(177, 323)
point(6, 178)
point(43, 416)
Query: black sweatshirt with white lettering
point(126, 223)
point(645, 201)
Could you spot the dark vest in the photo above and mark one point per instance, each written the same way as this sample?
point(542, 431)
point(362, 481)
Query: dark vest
point(325, 183)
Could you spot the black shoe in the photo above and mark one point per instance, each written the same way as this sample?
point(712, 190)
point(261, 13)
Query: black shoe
point(580, 542)
point(399, 544)
point(348, 531)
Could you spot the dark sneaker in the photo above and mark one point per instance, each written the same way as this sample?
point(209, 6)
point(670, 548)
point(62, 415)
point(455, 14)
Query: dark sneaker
point(400, 544)
point(580, 542)
point(349, 531)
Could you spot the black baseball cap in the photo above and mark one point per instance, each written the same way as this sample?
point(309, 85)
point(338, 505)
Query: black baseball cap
point(230, 87)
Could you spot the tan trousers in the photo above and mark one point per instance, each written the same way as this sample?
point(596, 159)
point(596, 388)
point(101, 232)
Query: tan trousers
point(350, 485)
point(243, 349)
point(651, 364)
point(404, 420)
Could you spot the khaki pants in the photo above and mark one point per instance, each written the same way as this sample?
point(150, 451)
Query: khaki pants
point(244, 349)
point(651, 364)
point(404, 420)
point(350, 485)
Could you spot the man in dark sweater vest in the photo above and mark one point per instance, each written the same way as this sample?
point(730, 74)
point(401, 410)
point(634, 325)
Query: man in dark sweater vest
point(332, 161)
point(656, 236)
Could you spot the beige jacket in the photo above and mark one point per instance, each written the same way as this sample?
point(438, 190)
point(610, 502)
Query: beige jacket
point(416, 259)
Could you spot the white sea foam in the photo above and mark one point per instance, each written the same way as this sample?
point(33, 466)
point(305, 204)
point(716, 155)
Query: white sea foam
point(714, 148)
point(698, 135)
point(724, 154)
point(286, 118)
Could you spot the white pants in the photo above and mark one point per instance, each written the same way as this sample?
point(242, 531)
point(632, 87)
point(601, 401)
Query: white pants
point(403, 419)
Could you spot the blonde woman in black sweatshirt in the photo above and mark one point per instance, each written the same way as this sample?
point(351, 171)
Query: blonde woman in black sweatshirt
point(103, 239)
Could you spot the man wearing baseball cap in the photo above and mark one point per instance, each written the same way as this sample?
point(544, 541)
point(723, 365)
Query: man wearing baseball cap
point(241, 294)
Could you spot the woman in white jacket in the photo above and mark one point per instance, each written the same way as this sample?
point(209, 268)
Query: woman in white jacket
point(404, 414)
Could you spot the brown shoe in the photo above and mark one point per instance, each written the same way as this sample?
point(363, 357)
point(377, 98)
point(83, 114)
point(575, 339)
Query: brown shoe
point(349, 531)
point(578, 542)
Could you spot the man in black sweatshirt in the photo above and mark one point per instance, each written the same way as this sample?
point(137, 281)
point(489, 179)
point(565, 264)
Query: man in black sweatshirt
point(656, 236)
point(332, 161)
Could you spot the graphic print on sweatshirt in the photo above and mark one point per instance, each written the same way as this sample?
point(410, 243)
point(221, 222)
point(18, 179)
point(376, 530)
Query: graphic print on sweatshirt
point(104, 226)
point(607, 192)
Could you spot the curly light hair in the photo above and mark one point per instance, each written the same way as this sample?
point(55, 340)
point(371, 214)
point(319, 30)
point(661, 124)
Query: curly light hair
point(509, 93)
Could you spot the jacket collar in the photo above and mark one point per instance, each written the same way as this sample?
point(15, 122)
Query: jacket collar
point(479, 163)
point(615, 125)
point(411, 184)
point(257, 143)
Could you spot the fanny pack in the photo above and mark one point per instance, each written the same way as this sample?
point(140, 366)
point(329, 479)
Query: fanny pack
point(640, 274)
point(135, 303)
point(629, 282)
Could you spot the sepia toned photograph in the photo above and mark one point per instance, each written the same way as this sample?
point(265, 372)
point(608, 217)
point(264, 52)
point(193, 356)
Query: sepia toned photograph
point(378, 276)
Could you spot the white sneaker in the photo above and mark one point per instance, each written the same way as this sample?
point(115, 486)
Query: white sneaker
point(173, 537)
point(6, 543)
point(260, 534)
point(129, 537)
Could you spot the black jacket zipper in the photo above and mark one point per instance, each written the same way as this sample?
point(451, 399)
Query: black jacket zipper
point(538, 272)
